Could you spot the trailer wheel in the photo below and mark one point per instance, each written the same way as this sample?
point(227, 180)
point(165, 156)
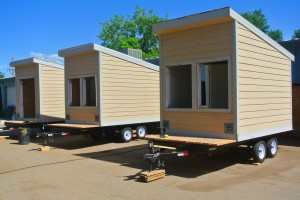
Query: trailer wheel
point(126, 134)
point(272, 147)
point(141, 131)
point(260, 152)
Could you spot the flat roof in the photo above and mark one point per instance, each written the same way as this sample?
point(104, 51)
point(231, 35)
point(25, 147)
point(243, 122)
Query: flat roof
point(35, 60)
point(218, 14)
point(96, 47)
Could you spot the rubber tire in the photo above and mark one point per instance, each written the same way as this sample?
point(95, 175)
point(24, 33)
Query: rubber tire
point(138, 135)
point(256, 152)
point(125, 136)
point(269, 147)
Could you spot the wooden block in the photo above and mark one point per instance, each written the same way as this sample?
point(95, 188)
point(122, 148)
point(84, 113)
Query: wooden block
point(45, 148)
point(151, 176)
point(256, 163)
point(154, 172)
point(3, 137)
point(164, 147)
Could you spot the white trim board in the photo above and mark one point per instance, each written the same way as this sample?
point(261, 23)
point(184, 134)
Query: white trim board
point(96, 47)
point(35, 60)
point(214, 14)
point(264, 132)
point(129, 121)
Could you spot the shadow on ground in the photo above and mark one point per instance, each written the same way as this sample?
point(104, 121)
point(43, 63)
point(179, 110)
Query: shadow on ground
point(189, 167)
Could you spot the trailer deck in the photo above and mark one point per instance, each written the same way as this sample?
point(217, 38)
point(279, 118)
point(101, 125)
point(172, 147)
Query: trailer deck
point(75, 126)
point(191, 140)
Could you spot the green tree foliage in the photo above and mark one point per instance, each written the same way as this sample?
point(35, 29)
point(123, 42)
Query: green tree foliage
point(258, 19)
point(296, 34)
point(2, 75)
point(276, 35)
point(133, 32)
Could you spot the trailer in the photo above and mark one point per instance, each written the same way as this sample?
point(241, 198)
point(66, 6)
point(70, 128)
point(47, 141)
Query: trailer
point(223, 83)
point(114, 91)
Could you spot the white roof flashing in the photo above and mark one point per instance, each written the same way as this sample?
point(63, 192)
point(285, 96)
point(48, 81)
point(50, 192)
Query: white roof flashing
point(219, 13)
point(96, 47)
point(36, 60)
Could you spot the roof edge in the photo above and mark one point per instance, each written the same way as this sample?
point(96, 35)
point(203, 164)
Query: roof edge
point(96, 47)
point(259, 33)
point(35, 60)
point(222, 12)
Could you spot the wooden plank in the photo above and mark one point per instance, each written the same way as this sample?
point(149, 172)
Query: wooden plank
point(191, 140)
point(20, 122)
point(164, 147)
point(151, 176)
point(79, 126)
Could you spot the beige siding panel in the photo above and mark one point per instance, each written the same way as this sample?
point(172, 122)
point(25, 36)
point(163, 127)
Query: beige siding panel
point(29, 70)
point(125, 94)
point(202, 42)
point(53, 93)
point(255, 127)
point(264, 84)
point(265, 101)
point(265, 70)
point(198, 121)
point(264, 107)
point(259, 88)
point(79, 65)
point(194, 44)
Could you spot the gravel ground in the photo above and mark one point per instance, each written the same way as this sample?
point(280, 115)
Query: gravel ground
point(82, 168)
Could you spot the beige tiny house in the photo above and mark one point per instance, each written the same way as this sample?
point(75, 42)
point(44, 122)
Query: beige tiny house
point(221, 77)
point(39, 90)
point(107, 88)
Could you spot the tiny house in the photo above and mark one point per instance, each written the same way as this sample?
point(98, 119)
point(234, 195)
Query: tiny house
point(108, 88)
point(39, 90)
point(221, 77)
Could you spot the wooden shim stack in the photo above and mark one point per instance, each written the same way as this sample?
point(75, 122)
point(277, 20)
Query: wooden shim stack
point(151, 176)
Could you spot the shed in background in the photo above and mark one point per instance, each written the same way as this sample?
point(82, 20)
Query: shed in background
point(39, 90)
point(294, 47)
point(8, 92)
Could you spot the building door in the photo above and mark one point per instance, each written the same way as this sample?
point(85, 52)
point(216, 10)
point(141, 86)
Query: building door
point(11, 96)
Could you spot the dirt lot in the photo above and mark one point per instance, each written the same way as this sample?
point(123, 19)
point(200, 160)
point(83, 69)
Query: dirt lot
point(82, 168)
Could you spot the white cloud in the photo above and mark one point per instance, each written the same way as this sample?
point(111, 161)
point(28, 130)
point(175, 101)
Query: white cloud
point(50, 57)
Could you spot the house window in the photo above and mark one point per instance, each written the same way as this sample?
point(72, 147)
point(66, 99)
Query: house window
point(74, 92)
point(179, 86)
point(89, 91)
point(213, 85)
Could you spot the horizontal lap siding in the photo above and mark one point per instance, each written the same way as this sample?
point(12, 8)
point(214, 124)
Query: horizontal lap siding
point(26, 71)
point(78, 65)
point(264, 84)
point(193, 44)
point(129, 91)
point(53, 93)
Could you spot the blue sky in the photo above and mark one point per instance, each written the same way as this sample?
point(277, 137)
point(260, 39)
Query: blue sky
point(39, 28)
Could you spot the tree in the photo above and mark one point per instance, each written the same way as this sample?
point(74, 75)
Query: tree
point(258, 19)
point(134, 32)
point(276, 35)
point(296, 34)
point(2, 75)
